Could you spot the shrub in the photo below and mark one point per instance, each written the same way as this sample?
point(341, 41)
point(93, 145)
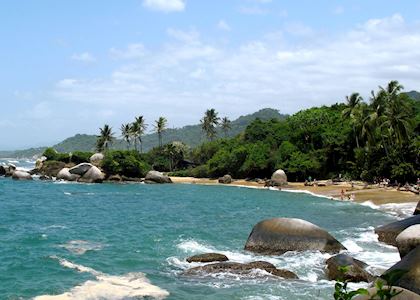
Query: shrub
point(79, 157)
point(126, 163)
point(52, 154)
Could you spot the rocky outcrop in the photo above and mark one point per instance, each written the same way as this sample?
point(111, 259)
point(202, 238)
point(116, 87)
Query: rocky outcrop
point(80, 169)
point(279, 178)
point(93, 175)
point(39, 162)
point(115, 178)
point(279, 235)
point(356, 269)
point(207, 257)
point(51, 168)
point(417, 209)
point(389, 232)
point(64, 174)
point(408, 239)
point(157, 177)
point(96, 159)
point(7, 170)
point(242, 269)
point(404, 295)
point(2, 170)
point(411, 264)
point(225, 179)
point(21, 175)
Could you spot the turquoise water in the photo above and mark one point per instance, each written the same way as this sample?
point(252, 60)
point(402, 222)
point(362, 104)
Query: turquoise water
point(106, 241)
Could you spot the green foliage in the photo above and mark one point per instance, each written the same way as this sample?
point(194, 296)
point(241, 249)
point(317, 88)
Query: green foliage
point(126, 163)
point(79, 157)
point(52, 154)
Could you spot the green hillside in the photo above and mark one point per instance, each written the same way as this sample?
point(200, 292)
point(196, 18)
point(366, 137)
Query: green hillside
point(191, 135)
point(414, 95)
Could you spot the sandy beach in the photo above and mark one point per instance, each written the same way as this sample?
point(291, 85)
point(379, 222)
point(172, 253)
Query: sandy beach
point(362, 193)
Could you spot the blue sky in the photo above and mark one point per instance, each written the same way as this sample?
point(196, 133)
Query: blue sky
point(68, 67)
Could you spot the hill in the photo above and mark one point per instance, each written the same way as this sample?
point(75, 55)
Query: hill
point(414, 95)
point(191, 135)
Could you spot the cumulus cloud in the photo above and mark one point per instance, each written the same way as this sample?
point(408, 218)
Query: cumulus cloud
point(165, 5)
point(222, 25)
point(84, 57)
point(189, 74)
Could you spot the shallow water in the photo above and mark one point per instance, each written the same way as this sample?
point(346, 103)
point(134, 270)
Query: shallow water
point(126, 241)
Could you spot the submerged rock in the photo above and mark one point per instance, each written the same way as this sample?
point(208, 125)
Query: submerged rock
point(404, 295)
point(157, 177)
point(389, 232)
point(21, 175)
point(279, 178)
point(81, 169)
point(225, 179)
point(64, 174)
point(242, 269)
point(411, 264)
point(408, 239)
point(356, 269)
point(207, 257)
point(93, 175)
point(279, 235)
point(96, 159)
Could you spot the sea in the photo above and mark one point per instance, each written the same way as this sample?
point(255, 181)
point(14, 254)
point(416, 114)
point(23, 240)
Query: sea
point(61, 240)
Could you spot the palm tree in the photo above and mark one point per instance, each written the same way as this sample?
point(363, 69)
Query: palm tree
point(126, 134)
point(105, 138)
point(353, 103)
point(134, 132)
point(160, 127)
point(138, 128)
point(209, 123)
point(225, 125)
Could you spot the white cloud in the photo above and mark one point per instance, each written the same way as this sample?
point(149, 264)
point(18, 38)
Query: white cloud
point(84, 57)
point(132, 51)
point(165, 5)
point(222, 25)
point(188, 74)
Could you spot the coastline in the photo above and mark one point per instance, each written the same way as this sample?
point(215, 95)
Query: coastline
point(372, 193)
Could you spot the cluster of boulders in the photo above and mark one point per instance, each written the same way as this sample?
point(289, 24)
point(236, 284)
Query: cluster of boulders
point(11, 171)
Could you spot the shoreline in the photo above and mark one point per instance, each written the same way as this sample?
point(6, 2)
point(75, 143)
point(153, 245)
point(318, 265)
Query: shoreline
point(372, 193)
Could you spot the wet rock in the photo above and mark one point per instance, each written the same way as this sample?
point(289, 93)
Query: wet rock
point(2, 170)
point(9, 170)
point(389, 232)
point(279, 235)
point(417, 209)
point(44, 177)
point(93, 175)
point(356, 269)
point(411, 264)
point(21, 175)
point(404, 295)
point(242, 269)
point(96, 159)
point(64, 174)
point(279, 178)
point(225, 179)
point(207, 257)
point(157, 177)
point(80, 169)
point(408, 239)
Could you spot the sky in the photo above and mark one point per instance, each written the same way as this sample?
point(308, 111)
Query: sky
point(71, 66)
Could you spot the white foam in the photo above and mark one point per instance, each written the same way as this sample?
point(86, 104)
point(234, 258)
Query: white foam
point(352, 246)
point(370, 204)
point(131, 285)
point(309, 193)
point(80, 247)
point(67, 193)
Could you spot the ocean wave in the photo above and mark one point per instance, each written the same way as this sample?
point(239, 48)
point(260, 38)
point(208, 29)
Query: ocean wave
point(309, 193)
point(80, 247)
point(398, 210)
point(128, 286)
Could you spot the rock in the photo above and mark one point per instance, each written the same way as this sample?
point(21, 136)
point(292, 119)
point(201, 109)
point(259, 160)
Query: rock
point(417, 209)
point(2, 170)
point(93, 175)
point(39, 162)
point(21, 175)
point(356, 269)
point(408, 239)
point(81, 169)
point(44, 177)
point(242, 269)
point(404, 295)
point(207, 257)
point(115, 178)
point(65, 174)
point(9, 170)
point(132, 179)
point(157, 177)
point(96, 159)
point(389, 232)
point(279, 235)
point(225, 179)
point(411, 264)
point(51, 168)
point(279, 178)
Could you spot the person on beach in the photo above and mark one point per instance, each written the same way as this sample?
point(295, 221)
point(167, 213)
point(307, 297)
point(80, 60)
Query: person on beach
point(342, 194)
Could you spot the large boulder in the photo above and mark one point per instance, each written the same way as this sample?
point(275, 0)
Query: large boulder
point(411, 264)
point(96, 159)
point(207, 257)
point(408, 239)
point(21, 175)
point(2, 170)
point(417, 209)
point(81, 169)
point(64, 174)
point(356, 269)
point(9, 170)
point(242, 269)
point(51, 168)
point(279, 235)
point(93, 175)
point(389, 232)
point(157, 177)
point(39, 162)
point(225, 179)
point(404, 295)
point(279, 178)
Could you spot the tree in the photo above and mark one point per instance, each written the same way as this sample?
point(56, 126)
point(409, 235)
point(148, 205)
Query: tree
point(105, 138)
point(126, 134)
point(225, 125)
point(137, 130)
point(209, 123)
point(160, 127)
point(353, 103)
